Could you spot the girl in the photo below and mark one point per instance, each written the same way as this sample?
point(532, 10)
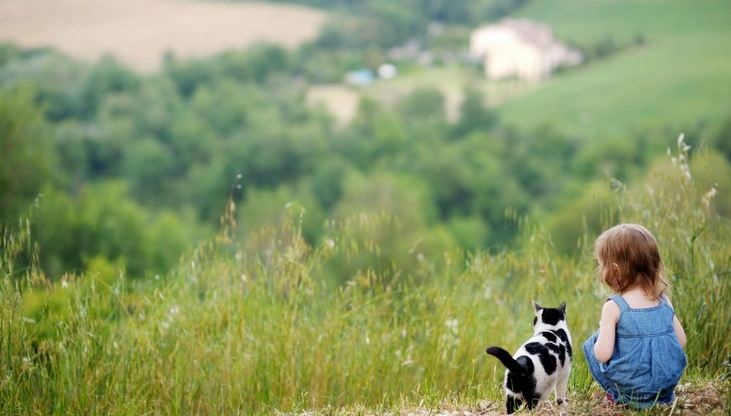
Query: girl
point(637, 355)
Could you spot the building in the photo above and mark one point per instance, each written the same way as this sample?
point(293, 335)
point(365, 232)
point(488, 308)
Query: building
point(520, 48)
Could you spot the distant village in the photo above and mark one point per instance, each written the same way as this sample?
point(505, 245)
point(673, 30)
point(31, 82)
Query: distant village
point(508, 49)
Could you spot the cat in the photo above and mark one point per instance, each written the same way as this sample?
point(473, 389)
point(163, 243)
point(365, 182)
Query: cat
point(542, 364)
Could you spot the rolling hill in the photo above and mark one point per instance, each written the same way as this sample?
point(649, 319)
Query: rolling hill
point(678, 77)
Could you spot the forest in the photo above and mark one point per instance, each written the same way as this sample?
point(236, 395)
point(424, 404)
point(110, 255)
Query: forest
point(135, 169)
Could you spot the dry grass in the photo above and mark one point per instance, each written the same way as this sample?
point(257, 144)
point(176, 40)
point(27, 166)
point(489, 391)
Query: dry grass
point(139, 32)
point(340, 101)
point(693, 399)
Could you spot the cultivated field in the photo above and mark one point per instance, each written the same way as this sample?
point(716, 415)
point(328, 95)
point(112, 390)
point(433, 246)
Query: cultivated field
point(139, 32)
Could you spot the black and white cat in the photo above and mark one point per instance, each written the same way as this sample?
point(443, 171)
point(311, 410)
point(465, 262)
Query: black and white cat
point(542, 364)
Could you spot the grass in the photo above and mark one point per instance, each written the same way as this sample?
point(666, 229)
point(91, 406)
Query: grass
point(677, 78)
point(253, 327)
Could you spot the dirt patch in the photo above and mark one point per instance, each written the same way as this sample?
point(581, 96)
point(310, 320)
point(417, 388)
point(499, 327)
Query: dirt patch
point(139, 32)
point(693, 399)
point(338, 100)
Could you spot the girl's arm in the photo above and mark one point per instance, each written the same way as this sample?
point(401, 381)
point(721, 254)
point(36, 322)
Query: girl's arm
point(679, 332)
point(604, 347)
point(677, 326)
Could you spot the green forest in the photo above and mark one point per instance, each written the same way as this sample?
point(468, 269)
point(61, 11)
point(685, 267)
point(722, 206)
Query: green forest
point(265, 258)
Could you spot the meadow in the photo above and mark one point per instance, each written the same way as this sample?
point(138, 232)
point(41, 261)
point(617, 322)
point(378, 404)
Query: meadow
point(676, 77)
point(667, 70)
point(250, 327)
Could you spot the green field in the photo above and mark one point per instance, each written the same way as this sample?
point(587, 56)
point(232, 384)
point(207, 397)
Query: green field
point(679, 77)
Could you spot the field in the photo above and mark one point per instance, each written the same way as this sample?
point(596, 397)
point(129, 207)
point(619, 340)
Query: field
point(249, 327)
point(678, 77)
point(139, 32)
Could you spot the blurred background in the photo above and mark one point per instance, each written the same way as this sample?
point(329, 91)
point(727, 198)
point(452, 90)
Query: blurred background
point(127, 125)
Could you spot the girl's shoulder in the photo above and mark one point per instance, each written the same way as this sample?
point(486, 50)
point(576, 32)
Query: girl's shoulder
point(617, 302)
point(611, 310)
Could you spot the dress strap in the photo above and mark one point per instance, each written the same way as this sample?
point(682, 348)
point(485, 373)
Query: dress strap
point(619, 300)
point(664, 299)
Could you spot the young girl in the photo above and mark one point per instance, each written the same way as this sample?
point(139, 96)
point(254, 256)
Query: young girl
point(637, 355)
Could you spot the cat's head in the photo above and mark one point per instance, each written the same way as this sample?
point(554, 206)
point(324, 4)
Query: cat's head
point(549, 317)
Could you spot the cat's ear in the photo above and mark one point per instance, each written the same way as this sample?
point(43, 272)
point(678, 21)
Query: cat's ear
point(536, 306)
point(562, 307)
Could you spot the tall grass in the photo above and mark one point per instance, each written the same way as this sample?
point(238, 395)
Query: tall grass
point(252, 326)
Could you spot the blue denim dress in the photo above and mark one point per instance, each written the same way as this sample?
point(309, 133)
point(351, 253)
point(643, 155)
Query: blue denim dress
point(647, 361)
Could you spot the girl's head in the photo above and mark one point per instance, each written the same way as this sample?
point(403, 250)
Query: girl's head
point(628, 257)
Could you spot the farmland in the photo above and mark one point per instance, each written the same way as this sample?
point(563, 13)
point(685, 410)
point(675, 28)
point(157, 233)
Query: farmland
point(139, 32)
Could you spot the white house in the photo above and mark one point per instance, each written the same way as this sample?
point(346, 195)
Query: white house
point(520, 48)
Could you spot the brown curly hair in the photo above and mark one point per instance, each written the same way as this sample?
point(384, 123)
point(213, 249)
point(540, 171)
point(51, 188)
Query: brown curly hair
point(628, 256)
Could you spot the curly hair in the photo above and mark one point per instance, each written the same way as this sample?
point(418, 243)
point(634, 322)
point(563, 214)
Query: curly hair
point(628, 256)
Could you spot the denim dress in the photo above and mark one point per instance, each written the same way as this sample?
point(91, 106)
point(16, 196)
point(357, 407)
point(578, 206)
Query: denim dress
point(647, 361)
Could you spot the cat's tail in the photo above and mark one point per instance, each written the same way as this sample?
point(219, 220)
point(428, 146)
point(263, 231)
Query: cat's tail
point(507, 359)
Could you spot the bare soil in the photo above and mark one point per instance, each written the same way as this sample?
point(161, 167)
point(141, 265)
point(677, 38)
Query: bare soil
point(139, 32)
point(692, 399)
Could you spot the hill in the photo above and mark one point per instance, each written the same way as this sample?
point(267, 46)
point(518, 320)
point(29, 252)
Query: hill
point(139, 32)
point(677, 77)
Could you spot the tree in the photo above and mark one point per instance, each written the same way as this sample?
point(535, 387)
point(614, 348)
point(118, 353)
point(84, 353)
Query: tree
point(26, 155)
point(106, 77)
point(473, 115)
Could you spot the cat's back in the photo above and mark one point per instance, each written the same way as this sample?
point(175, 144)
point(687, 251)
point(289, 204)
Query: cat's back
point(550, 350)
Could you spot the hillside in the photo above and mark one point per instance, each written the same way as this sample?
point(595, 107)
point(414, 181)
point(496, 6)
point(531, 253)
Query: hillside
point(139, 32)
point(677, 77)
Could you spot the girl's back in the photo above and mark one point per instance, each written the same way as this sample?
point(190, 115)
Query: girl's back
point(648, 359)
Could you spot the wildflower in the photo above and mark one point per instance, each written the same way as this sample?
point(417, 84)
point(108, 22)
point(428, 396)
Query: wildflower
point(681, 143)
point(709, 196)
point(452, 324)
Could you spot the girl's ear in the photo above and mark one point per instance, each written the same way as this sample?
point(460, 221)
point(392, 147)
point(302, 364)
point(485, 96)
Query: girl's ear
point(536, 306)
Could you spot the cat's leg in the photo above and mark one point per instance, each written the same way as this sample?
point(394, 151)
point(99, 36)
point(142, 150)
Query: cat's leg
point(532, 402)
point(513, 403)
point(561, 391)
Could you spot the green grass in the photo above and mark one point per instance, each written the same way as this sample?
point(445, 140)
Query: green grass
point(252, 327)
point(677, 78)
